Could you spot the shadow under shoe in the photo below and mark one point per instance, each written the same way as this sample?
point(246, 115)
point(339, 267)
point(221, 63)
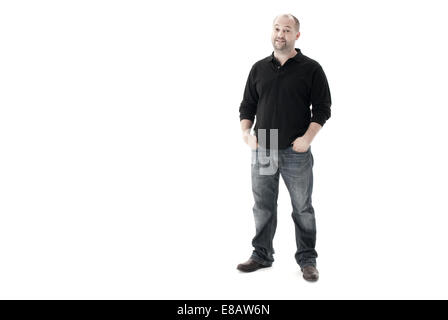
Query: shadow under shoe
point(250, 266)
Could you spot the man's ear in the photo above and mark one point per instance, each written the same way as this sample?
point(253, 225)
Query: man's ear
point(298, 35)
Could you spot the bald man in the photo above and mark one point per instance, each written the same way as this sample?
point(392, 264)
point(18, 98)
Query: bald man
point(279, 92)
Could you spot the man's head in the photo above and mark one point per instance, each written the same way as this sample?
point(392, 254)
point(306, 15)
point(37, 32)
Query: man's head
point(285, 32)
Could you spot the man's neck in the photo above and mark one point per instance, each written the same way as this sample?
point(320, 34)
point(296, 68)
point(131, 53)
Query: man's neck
point(282, 57)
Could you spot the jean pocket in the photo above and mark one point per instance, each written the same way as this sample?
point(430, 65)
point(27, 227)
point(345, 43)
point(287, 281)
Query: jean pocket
point(297, 152)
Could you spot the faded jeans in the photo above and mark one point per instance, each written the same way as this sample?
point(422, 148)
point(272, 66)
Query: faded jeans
point(296, 169)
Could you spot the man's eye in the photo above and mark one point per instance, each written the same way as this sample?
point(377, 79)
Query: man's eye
point(287, 30)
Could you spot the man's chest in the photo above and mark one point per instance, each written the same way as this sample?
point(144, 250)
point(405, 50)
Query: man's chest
point(283, 81)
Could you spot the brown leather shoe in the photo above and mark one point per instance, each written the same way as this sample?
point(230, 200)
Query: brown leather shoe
point(250, 266)
point(310, 273)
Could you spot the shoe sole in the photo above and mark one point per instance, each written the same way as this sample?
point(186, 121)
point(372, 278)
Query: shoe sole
point(247, 271)
point(311, 280)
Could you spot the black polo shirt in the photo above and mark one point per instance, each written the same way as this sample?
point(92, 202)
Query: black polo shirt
point(280, 97)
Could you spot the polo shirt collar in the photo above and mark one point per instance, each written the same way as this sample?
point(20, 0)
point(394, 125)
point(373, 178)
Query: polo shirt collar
point(297, 57)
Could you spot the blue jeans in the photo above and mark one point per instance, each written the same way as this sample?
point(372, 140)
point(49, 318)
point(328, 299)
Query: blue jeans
point(296, 169)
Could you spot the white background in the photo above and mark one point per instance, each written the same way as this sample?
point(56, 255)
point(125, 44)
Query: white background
point(123, 174)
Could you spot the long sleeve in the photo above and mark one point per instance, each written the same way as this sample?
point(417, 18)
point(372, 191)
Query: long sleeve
point(248, 107)
point(320, 97)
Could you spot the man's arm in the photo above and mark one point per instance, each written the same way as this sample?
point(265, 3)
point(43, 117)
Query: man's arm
point(249, 139)
point(320, 97)
point(321, 112)
point(246, 125)
point(312, 131)
point(301, 144)
point(248, 110)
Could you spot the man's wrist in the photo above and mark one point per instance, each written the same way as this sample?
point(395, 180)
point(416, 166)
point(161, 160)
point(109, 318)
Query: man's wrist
point(307, 139)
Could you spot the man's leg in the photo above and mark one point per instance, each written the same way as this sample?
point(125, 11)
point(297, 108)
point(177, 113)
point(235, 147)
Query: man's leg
point(265, 191)
point(297, 171)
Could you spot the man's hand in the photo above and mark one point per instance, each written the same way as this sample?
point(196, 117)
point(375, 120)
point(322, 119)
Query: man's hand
point(301, 144)
point(250, 139)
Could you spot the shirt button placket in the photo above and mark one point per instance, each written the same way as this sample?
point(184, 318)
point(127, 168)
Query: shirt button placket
point(276, 98)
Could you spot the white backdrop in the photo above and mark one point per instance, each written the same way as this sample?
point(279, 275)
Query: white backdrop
point(123, 173)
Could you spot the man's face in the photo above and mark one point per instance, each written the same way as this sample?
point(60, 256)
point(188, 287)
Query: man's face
point(284, 34)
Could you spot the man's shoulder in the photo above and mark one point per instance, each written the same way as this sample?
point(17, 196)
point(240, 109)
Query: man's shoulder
point(261, 62)
point(310, 62)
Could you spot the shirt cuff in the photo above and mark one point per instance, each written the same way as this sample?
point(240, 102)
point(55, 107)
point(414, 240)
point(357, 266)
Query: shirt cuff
point(248, 117)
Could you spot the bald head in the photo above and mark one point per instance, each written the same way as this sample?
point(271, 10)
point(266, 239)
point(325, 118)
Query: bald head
point(293, 20)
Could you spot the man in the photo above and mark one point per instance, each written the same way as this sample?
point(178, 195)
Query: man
point(279, 91)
